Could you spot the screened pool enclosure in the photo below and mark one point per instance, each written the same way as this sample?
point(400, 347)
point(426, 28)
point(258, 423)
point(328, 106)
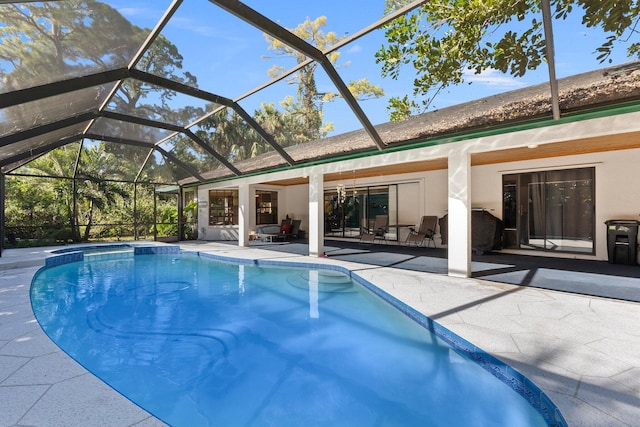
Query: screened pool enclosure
point(113, 112)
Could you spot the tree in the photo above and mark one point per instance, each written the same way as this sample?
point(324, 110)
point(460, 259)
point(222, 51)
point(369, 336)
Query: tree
point(305, 107)
point(29, 202)
point(228, 133)
point(44, 42)
point(96, 191)
point(144, 210)
point(441, 40)
point(59, 164)
point(161, 59)
point(299, 118)
point(48, 41)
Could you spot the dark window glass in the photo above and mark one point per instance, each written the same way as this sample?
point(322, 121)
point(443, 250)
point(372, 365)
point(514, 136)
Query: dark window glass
point(266, 207)
point(223, 207)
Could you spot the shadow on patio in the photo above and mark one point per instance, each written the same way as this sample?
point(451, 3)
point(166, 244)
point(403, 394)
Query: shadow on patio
point(588, 277)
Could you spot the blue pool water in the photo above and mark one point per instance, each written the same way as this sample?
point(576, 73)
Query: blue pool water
point(203, 343)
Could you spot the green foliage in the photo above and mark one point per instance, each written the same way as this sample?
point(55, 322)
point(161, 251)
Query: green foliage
point(190, 211)
point(228, 133)
point(44, 42)
point(41, 210)
point(35, 211)
point(305, 109)
point(295, 119)
point(189, 152)
point(442, 40)
point(162, 59)
point(285, 126)
point(29, 202)
point(97, 191)
point(190, 220)
point(167, 218)
point(50, 39)
point(401, 108)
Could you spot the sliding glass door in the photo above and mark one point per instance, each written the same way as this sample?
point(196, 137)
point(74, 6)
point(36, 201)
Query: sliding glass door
point(550, 210)
point(343, 211)
point(348, 210)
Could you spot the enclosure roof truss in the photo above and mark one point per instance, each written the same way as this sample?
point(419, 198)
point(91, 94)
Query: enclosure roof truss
point(90, 104)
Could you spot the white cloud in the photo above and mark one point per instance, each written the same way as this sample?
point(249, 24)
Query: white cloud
point(492, 77)
point(137, 11)
point(189, 25)
point(356, 48)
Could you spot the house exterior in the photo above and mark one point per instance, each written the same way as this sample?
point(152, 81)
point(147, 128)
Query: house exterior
point(553, 182)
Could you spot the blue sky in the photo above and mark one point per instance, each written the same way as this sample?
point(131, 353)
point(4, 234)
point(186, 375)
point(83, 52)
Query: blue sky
point(227, 55)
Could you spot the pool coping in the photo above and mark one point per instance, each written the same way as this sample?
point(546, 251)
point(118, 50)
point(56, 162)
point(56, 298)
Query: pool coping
point(68, 255)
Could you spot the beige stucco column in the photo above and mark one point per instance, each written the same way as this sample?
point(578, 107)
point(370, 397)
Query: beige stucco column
point(459, 214)
point(316, 214)
point(244, 217)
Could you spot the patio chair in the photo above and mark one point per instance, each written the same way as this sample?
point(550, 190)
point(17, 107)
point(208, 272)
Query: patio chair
point(426, 231)
point(375, 231)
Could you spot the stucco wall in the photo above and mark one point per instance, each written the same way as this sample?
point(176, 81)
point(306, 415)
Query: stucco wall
point(617, 187)
point(617, 192)
point(293, 207)
point(292, 201)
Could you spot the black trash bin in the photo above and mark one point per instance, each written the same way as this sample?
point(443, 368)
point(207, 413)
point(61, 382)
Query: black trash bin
point(622, 241)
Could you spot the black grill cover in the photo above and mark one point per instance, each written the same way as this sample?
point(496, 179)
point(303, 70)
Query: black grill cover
point(486, 231)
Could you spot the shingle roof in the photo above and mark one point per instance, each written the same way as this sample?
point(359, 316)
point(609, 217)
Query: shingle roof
point(608, 86)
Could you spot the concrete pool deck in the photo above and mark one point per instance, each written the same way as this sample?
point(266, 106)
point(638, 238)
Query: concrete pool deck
point(582, 351)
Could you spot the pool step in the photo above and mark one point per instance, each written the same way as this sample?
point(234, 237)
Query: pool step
point(107, 256)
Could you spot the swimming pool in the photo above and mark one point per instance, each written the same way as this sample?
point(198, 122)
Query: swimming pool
point(200, 342)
